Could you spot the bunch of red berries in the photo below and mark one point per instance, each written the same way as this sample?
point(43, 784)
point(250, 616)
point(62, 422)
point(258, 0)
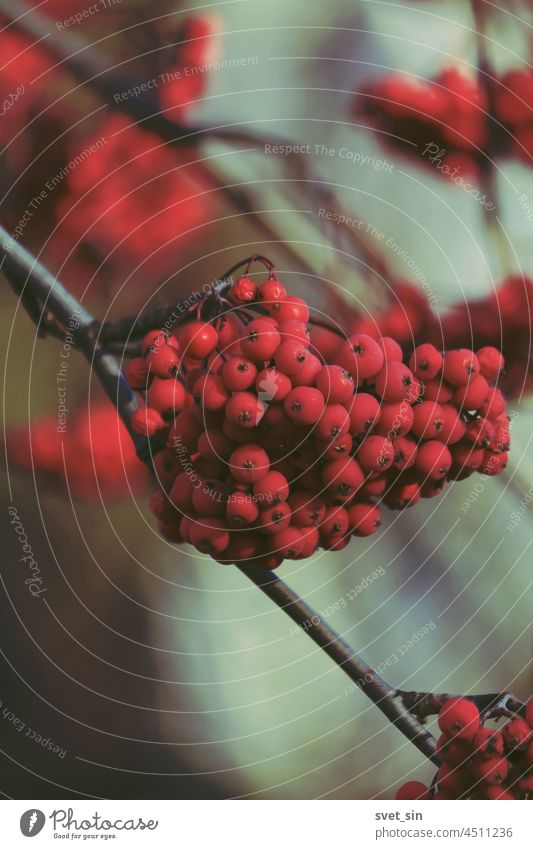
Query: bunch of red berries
point(479, 761)
point(282, 436)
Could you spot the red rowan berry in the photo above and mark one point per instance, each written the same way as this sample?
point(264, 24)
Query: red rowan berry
point(271, 292)
point(291, 356)
point(333, 449)
point(146, 422)
point(209, 536)
point(374, 486)
point(480, 432)
point(452, 780)
point(459, 718)
point(405, 451)
point(364, 518)
point(343, 477)
point(295, 331)
point(137, 373)
point(494, 404)
point(516, 734)
point(466, 456)
point(453, 428)
point(162, 361)
point(494, 464)
point(185, 432)
point(243, 546)
point(268, 561)
point(361, 356)
point(438, 390)
point(335, 383)
point(325, 343)
point(291, 308)
point(395, 419)
point(249, 463)
point(501, 441)
point(333, 423)
point(472, 395)
point(311, 541)
point(455, 751)
point(491, 771)
point(152, 340)
point(215, 443)
point(392, 351)
point(308, 510)
point(243, 291)
point(402, 495)
point(241, 509)
point(305, 376)
point(460, 366)
point(261, 341)
point(396, 382)
point(198, 339)
point(304, 405)
point(272, 489)
point(433, 460)
point(240, 435)
point(238, 373)
point(244, 409)
point(487, 743)
point(428, 420)
point(412, 790)
point(166, 396)
point(334, 523)
point(209, 499)
point(375, 454)
point(288, 543)
point(491, 363)
point(274, 518)
point(425, 362)
point(230, 330)
point(364, 411)
point(211, 392)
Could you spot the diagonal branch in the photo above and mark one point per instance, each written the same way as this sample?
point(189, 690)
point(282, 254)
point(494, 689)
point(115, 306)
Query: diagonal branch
point(18, 264)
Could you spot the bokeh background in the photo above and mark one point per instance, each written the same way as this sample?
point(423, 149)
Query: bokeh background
point(154, 671)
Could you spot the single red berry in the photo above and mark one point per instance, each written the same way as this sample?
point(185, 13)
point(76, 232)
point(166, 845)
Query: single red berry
point(244, 409)
point(480, 432)
point(396, 382)
point(452, 780)
point(361, 356)
point(243, 291)
point(364, 518)
point(291, 356)
point(249, 463)
point(453, 428)
point(230, 331)
point(311, 541)
point(209, 498)
point(308, 510)
point(295, 331)
point(272, 489)
point(433, 460)
point(494, 464)
point(304, 405)
point(163, 361)
point(209, 536)
point(306, 374)
point(241, 509)
point(198, 339)
point(288, 543)
point(402, 495)
point(261, 341)
point(243, 546)
point(395, 419)
point(454, 750)
point(364, 412)
point(460, 366)
point(472, 396)
point(325, 343)
point(494, 404)
point(428, 420)
point(335, 383)
point(343, 477)
point(335, 522)
point(392, 351)
point(438, 390)
point(491, 363)
point(425, 362)
point(291, 308)
point(412, 790)
point(274, 518)
point(487, 742)
point(459, 718)
point(491, 771)
point(238, 373)
point(211, 392)
point(185, 432)
point(333, 423)
point(271, 292)
point(268, 561)
point(272, 385)
point(376, 453)
point(516, 734)
point(405, 451)
point(214, 443)
point(166, 396)
point(146, 422)
point(154, 339)
point(466, 456)
point(137, 373)
point(333, 449)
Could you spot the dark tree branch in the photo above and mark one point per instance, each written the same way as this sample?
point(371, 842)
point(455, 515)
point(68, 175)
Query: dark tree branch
point(491, 705)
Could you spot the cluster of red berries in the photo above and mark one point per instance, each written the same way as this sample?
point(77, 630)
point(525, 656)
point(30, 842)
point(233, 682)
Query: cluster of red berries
point(479, 761)
point(282, 436)
point(451, 114)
